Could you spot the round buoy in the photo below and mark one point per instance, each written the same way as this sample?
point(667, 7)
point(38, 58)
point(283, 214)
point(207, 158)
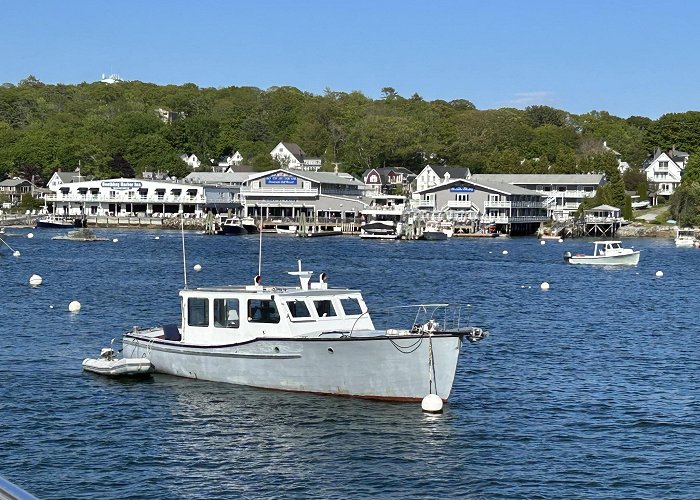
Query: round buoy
point(542, 242)
point(51, 306)
point(544, 285)
point(505, 252)
point(115, 240)
point(432, 403)
point(74, 306)
point(35, 280)
point(197, 267)
point(16, 253)
point(659, 274)
point(157, 237)
point(30, 235)
point(561, 241)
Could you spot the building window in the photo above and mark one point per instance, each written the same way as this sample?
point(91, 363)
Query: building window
point(663, 165)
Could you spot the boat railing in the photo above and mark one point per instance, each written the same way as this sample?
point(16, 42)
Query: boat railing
point(423, 318)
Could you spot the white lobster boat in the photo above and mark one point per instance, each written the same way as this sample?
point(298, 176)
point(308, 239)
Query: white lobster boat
point(606, 253)
point(308, 338)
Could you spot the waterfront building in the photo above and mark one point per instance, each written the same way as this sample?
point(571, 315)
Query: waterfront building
point(127, 197)
point(477, 203)
point(434, 175)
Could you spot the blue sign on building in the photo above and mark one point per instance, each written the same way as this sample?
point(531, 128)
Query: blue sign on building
point(287, 180)
point(461, 189)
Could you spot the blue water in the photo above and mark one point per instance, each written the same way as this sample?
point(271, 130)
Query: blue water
point(587, 390)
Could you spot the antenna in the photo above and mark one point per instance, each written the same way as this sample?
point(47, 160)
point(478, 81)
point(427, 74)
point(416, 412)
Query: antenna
point(260, 249)
point(184, 262)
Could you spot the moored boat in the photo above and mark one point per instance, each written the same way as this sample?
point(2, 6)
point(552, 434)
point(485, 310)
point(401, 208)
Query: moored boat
point(606, 253)
point(685, 237)
point(308, 338)
point(52, 221)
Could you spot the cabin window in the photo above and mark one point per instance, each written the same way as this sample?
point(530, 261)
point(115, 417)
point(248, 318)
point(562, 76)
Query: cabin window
point(198, 312)
point(226, 313)
point(298, 309)
point(262, 311)
point(351, 306)
point(324, 308)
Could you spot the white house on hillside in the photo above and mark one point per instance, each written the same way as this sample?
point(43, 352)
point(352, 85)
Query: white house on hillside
point(664, 171)
point(434, 175)
point(292, 157)
point(622, 166)
point(191, 160)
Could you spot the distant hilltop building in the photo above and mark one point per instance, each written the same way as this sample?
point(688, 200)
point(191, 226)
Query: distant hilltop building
point(113, 78)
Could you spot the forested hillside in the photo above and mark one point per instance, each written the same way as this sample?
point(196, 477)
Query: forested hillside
point(115, 130)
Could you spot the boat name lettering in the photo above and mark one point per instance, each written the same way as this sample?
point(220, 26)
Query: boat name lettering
point(281, 179)
point(461, 189)
point(121, 184)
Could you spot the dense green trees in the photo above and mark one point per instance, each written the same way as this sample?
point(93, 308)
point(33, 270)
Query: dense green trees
point(117, 130)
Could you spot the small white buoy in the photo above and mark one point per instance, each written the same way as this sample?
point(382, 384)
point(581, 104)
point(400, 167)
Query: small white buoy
point(544, 285)
point(74, 306)
point(505, 252)
point(432, 403)
point(35, 280)
point(197, 267)
point(51, 306)
point(157, 237)
point(16, 253)
point(115, 240)
point(542, 242)
point(561, 241)
point(659, 274)
point(30, 235)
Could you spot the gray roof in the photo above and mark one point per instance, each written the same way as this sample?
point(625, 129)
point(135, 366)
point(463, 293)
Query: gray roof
point(320, 177)
point(14, 182)
point(67, 177)
point(541, 178)
point(217, 177)
point(295, 150)
point(459, 172)
point(600, 208)
point(489, 184)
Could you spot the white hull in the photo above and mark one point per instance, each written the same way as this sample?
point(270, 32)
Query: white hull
point(371, 236)
point(630, 259)
point(118, 367)
point(393, 367)
point(685, 242)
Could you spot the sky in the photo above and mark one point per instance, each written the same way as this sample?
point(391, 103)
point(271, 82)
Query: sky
point(626, 57)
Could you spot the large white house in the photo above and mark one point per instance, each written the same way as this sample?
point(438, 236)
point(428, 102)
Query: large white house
point(664, 171)
point(434, 175)
point(292, 157)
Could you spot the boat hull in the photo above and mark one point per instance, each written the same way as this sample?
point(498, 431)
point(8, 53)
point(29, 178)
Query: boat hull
point(55, 224)
point(434, 235)
point(391, 367)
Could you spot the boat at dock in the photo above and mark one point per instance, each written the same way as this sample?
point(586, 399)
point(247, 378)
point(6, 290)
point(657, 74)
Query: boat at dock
point(52, 221)
point(433, 231)
point(307, 338)
point(685, 237)
point(606, 253)
point(384, 218)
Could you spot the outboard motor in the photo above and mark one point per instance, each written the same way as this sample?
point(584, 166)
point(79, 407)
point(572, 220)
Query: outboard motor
point(567, 256)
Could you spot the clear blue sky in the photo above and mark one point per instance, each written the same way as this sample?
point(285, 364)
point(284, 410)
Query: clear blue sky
point(627, 57)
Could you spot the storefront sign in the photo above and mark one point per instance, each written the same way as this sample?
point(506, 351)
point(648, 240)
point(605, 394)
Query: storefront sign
point(121, 184)
point(288, 180)
point(461, 189)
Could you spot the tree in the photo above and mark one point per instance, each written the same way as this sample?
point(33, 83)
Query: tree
point(627, 211)
point(121, 167)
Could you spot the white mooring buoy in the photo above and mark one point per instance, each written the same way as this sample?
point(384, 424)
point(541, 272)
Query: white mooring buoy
point(542, 242)
point(16, 253)
point(74, 306)
point(157, 237)
point(197, 267)
point(561, 241)
point(432, 403)
point(659, 274)
point(35, 280)
point(544, 285)
point(505, 252)
point(30, 235)
point(115, 240)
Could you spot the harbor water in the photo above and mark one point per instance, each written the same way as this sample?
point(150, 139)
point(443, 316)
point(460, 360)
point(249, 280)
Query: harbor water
point(590, 389)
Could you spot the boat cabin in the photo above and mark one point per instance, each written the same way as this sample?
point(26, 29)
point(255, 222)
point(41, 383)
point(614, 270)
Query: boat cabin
point(607, 247)
point(223, 315)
